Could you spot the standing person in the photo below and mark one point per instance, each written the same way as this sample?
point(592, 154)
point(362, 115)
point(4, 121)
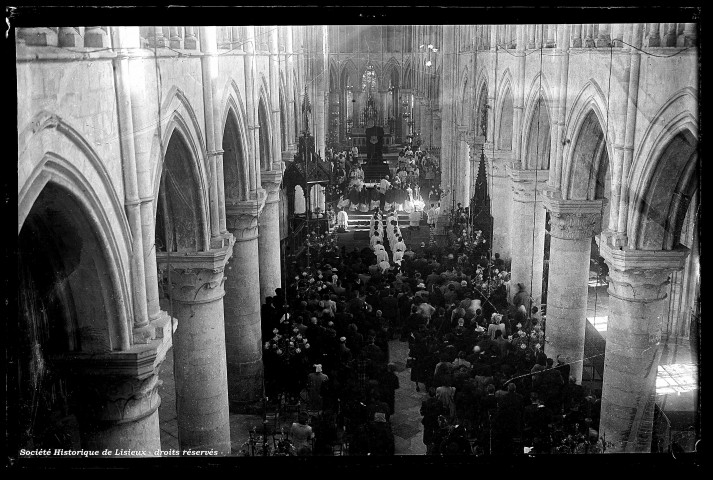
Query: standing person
point(430, 216)
point(342, 219)
point(302, 435)
point(383, 188)
point(521, 297)
point(314, 386)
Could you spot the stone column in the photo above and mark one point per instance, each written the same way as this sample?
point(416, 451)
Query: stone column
point(638, 286)
point(448, 133)
point(500, 183)
point(269, 236)
point(117, 395)
point(242, 305)
point(527, 229)
point(461, 180)
point(196, 283)
point(572, 225)
point(120, 414)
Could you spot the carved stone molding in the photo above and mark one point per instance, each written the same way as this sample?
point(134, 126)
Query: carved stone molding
point(573, 219)
point(196, 277)
point(241, 218)
point(640, 275)
point(526, 185)
point(112, 399)
point(271, 181)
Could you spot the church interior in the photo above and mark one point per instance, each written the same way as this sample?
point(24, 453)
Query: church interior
point(351, 240)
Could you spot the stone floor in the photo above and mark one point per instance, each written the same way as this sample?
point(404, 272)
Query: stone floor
point(406, 422)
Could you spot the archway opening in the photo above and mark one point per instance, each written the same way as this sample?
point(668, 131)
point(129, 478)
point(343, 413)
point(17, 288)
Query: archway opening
point(537, 144)
point(506, 120)
point(264, 136)
point(179, 224)
point(67, 303)
point(234, 169)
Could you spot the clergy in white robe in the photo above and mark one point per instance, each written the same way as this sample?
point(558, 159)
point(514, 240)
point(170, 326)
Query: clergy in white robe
point(342, 219)
point(382, 256)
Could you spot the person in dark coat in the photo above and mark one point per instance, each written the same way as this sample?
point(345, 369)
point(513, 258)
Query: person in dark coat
point(431, 409)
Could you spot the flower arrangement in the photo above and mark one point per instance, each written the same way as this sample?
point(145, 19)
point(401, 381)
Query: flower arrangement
point(310, 281)
point(321, 243)
point(287, 346)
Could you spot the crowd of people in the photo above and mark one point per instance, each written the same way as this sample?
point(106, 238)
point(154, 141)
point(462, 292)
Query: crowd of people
point(476, 348)
point(410, 186)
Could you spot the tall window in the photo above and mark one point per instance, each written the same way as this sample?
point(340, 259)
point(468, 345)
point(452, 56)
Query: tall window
point(368, 80)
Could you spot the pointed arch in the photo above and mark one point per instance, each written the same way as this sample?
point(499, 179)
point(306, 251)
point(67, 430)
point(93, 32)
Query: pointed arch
point(391, 65)
point(235, 145)
point(265, 130)
point(53, 153)
point(349, 71)
point(537, 137)
point(333, 77)
point(504, 113)
point(672, 133)
point(232, 101)
point(179, 142)
point(589, 101)
point(481, 100)
point(177, 112)
point(407, 80)
point(463, 116)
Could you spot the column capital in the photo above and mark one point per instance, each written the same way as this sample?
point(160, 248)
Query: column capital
point(242, 217)
point(271, 181)
point(289, 155)
point(640, 275)
point(188, 262)
point(196, 277)
point(526, 184)
point(112, 399)
point(573, 219)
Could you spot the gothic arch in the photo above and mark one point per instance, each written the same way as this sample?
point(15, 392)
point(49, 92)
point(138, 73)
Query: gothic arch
point(232, 101)
point(391, 65)
point(463, 117)
point(180, 114)
point(504, 113)
point(590, 101)
point(54, 156)
point(532, 98)
point(538, 132)
point(235, 176)
point(333, 78)
point(584, 159)
point(265, 146)
point(179, 127)
point(350, 70)
point(407, 81)
point(481, 99)
point(664, 169)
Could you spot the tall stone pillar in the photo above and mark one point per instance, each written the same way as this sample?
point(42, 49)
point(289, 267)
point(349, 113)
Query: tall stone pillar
point(196, 283)
point(527, 229)
point(242, 304)
point(572, 225)
point(638, 287)
point(500, 185)
point(462, 178)
point(269, 236)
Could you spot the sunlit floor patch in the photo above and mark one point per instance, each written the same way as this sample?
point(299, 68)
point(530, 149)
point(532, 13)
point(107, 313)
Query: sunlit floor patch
point(600, 323)
point(676, 378)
